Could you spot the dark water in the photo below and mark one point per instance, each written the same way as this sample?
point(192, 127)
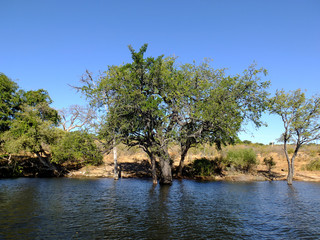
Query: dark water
point(134, 209)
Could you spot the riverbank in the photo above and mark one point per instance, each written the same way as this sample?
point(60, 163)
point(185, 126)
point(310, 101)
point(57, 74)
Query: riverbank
point(136, 165)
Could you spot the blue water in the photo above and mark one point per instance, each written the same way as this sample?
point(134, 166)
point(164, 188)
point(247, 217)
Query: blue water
point(134, 209)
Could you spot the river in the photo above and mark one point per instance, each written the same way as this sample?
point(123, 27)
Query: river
point(62, 208)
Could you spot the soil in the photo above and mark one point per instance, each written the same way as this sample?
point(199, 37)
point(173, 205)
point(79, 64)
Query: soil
point(133, 165)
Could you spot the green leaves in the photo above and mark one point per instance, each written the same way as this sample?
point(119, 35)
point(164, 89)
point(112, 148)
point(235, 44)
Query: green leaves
point(300, 115)
point(29, 132)
point(78, 147)
point(9, 101)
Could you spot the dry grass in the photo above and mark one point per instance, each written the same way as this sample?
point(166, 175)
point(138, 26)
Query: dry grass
point(305, 156)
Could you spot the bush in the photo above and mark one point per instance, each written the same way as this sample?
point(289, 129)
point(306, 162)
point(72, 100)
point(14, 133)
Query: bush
point(269, 162)
point(78, 147)
point(242, 159)
point(314, 165)
point(206, 167)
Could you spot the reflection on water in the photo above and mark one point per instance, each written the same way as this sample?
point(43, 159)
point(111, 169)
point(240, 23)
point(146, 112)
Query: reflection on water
point(135, 209)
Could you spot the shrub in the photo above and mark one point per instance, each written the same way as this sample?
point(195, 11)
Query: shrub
point(206, 167)
point(242, 159)
point(314, 165)
point(76, 147)
point(269, 162)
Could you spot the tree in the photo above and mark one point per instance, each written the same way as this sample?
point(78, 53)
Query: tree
point(300, 117)
point(33, 127)
point(152, 102)
point(137, 95)
point(214, 106)
point(9, 101)
point(91, 89)
point(76, 117)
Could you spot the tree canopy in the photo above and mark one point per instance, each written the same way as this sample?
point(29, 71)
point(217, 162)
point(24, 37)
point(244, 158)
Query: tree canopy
point(9, 101)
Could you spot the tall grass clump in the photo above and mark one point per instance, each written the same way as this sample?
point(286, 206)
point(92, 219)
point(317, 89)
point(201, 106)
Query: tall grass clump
point(243, 159)
point(313, 165)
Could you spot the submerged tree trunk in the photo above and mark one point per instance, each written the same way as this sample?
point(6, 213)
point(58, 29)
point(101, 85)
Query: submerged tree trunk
point(166, 170)
point(184, 151)
point(153, 167)
point(115, 159)
point(291, 163)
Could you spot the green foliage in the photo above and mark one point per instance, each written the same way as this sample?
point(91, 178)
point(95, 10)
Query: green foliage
point(33, 126)
point(40, 101)
point(314, 165)
point(77, 147)
point(28, 132)
point(206, 167)
point(269, 162)
point(9, 101)
point(300, 116)
point(242, 158)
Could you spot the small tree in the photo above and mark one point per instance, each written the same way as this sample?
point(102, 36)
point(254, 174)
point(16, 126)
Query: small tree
point(300, 118)
point(269, 162)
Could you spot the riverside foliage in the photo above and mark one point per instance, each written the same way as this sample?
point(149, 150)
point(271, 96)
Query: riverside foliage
point(152, 103)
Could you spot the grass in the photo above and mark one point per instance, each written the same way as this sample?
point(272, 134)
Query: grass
point(243, 159)
point(313, 165)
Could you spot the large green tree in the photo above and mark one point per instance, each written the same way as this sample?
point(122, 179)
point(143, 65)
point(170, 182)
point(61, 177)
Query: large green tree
point(138, 95)
point(301, 121)
point(9, 101)
point(33, 127)
point(152, 102)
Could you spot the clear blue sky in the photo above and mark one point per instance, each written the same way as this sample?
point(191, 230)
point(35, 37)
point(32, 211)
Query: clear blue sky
point(50, 43)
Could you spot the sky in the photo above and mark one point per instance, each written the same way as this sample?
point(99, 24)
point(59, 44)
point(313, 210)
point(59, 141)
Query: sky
point(50, 44)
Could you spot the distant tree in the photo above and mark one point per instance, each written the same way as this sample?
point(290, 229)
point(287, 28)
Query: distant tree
point(301, 121)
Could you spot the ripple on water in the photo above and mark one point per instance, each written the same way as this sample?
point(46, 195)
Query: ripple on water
point(135, 209)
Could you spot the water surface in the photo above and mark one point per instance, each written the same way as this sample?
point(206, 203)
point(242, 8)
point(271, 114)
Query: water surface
point(134, 209)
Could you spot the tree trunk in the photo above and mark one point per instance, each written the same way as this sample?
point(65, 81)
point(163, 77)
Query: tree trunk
point(42, 160)
point(184, 151)
point(165, 165)
point(153, 167)
point(290, 174)
point(115, 159)
point(154, 170)
point(47, 164)
point(291, 163)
